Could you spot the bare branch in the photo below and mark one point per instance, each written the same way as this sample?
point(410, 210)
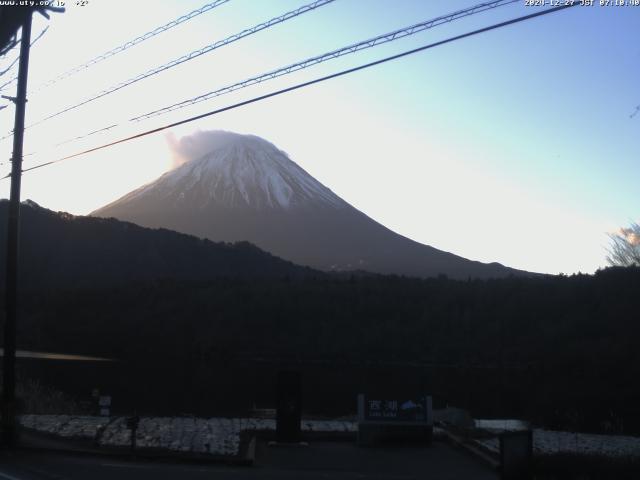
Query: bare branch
point(625, 247)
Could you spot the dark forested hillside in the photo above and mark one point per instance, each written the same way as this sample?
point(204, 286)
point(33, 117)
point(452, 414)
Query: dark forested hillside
point(62, 250)
point(559, 350)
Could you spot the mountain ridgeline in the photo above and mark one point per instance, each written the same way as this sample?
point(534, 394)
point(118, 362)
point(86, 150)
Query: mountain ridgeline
point(67, 251)
point(243, 188)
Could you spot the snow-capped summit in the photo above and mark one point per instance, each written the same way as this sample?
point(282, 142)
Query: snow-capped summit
point(240, 171)
point(231, 187)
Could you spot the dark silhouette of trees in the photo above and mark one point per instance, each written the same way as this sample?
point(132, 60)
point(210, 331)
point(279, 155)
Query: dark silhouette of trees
point(561, 351)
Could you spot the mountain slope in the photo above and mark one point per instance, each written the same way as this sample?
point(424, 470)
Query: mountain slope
point(244, 188)
point(63, 250)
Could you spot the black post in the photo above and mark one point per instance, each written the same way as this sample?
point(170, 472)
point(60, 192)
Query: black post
point(288, 407)
point(132, 424)
point(9, 428)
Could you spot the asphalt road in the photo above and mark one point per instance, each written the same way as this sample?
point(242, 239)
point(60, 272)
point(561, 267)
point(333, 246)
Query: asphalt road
point(320, 460)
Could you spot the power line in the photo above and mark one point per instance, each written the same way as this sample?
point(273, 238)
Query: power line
point(356, 47)
point(9, 82)
point(80, 137)
point(9, 46)
point(43, 8)
point(305, 84)
point(372, 42)
point(194, 54)
point(132, 43)
point(15, 60)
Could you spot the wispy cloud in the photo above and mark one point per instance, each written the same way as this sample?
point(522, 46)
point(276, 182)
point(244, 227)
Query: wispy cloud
point(194, 146)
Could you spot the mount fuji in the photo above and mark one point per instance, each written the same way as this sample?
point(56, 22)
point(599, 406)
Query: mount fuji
point(242, 188)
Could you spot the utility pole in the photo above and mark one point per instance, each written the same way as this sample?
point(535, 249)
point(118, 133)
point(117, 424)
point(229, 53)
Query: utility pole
point(9, 427)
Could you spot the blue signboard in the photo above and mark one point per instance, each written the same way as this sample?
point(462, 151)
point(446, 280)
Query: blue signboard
point(399, 410)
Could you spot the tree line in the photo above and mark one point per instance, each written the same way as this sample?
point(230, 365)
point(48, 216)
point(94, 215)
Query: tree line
point(559, 350)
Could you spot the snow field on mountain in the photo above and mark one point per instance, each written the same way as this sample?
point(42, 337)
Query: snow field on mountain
point(241, 170)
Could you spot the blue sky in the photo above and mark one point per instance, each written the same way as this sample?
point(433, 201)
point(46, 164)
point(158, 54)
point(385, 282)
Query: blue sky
point(513, 146)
